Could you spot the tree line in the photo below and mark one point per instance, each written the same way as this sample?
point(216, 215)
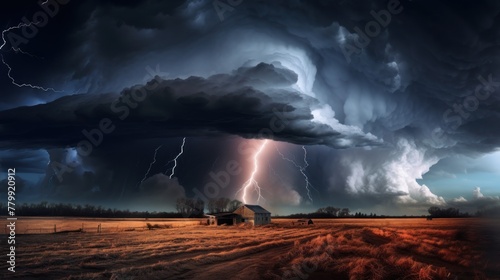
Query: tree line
point(335, 212)
point(493, 211)
point(188, 206)
point(70, 210)
point(325, 212)
point(437, 212)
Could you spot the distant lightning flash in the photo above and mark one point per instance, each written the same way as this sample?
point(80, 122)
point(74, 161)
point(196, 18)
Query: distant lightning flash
point(251, 181)
point(18, 50)
point(305, 157)
point(300, 168)
point(20, 25)
point(24, 84)
point(151, 164)
point(178, 155)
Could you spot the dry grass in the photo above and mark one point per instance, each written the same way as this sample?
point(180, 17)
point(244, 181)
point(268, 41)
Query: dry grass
point(330, 249)
point(37, 225)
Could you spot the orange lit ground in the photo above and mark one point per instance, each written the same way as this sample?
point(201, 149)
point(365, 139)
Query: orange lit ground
point(329, 249)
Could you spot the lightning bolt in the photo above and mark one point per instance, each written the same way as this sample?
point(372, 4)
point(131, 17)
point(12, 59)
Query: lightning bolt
point(151, 164)
point(4, 42)
point(10, 29)
point(251, 181)
point(175, 159)
point(301, 168)
point(305, 157)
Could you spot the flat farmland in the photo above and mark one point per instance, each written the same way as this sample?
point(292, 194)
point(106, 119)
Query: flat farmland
point(184, 249)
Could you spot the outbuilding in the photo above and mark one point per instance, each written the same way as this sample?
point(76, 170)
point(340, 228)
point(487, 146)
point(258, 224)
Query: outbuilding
point(224, 219)
point(254, 214)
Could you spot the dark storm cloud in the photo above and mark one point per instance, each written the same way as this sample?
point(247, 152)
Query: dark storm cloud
point(414, 86)
point(477, 202)
point(77, 44)
point(224, 103)
point(20, 186)
point(24, 190)
point(26, 161)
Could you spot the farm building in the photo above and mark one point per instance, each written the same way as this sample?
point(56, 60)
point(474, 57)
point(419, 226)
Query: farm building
point(224, 218)
point(254, 214)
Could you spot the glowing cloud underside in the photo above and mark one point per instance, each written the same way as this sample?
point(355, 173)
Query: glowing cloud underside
point(251, 181)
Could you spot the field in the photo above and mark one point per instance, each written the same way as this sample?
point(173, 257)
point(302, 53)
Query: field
point(184, 249)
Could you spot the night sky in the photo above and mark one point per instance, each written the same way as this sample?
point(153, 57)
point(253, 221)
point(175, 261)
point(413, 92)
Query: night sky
point(382, 106)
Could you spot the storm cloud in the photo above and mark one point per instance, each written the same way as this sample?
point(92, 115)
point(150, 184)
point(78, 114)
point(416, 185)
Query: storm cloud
point(417, 98)
point(254, 102)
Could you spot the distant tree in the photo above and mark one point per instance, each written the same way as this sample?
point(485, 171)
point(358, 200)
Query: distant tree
point(333, 211)
point(189, 206)
point(344, 212)
point(328, 211)
point(222, 204)
point(212, 205)
point(493, 211)
point(199, 207)
point(434, 211)
point(234, 204)
point(445, 213)
point(180, 205)
point(320, 210)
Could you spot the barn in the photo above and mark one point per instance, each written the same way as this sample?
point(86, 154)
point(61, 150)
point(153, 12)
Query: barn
point(254, 214)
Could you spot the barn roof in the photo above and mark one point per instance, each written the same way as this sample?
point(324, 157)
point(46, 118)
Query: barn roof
point(257, 209)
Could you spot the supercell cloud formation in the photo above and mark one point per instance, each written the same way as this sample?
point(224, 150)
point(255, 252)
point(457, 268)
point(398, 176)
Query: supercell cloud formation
point(396, 102)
